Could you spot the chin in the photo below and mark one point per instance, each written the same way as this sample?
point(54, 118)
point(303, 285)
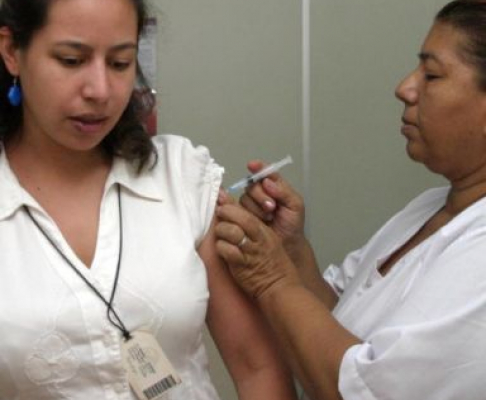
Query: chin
point(85, 146)
point(412, 154)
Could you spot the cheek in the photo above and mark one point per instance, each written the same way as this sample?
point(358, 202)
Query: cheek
point(446, 113)
point(43, 98)
point(124, 92)
point(43, 89)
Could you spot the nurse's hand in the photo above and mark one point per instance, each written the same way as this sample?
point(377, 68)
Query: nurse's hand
point(276, 203)
point(253, 251)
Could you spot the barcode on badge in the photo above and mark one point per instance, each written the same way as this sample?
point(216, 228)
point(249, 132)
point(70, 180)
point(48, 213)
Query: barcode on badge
point(160, 387)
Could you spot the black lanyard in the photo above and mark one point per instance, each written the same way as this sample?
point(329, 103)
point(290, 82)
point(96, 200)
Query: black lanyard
point(110, 312)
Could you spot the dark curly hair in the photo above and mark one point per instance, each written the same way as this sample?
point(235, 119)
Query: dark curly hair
point(469, 17)
point(129, 138)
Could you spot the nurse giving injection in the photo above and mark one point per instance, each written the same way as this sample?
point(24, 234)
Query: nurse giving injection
point(403, 316)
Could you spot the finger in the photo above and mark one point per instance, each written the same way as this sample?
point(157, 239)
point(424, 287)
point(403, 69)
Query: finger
point(224, 197)
point(234, 214)
point(230, 232)
point(283, 193)
point(256, 191)
point(229, 253)
point(255, 166)
point(272, 191)
point(261, 197)
point(250, 204)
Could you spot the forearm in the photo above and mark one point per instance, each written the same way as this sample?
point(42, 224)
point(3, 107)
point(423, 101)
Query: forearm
point(243, 337)
point(267, 384)
point(303, 257)
point(255, 363)
point(314, 342)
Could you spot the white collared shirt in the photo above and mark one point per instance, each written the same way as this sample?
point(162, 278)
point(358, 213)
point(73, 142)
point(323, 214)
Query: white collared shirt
point(56, 341)
point(424, 323)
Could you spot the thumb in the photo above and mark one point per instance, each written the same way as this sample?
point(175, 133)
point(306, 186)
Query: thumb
point(278, 189)
point(283, 194)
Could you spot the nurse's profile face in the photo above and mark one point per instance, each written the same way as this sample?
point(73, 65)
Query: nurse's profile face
point(445, 109)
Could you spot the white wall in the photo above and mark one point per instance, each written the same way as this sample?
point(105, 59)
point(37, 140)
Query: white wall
point(230, 77)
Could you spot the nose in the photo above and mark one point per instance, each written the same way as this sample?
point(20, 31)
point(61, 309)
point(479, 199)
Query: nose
point(97, 84)
point(406, 91)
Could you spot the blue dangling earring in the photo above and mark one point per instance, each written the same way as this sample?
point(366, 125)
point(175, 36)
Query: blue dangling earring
point(15, 94)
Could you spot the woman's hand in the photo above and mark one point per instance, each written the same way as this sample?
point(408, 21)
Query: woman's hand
point(253, 251)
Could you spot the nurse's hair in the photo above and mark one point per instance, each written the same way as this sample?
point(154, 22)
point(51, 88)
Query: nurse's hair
point(128, 139)
point(469, 17)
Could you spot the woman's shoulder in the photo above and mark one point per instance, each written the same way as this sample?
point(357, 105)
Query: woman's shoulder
point(175, 152)
point(170, 139)
point(173, 142)
point(191, 174)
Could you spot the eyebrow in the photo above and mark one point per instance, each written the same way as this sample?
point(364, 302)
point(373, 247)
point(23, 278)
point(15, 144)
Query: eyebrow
point(84, 47)
point(426, 56)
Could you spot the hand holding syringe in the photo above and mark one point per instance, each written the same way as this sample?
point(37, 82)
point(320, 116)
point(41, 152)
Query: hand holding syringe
point(263, 173)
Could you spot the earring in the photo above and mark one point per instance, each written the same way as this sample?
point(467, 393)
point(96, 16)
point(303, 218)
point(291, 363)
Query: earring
point(14, 94)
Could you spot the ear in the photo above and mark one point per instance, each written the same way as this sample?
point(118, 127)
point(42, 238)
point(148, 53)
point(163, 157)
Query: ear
point(9, 53)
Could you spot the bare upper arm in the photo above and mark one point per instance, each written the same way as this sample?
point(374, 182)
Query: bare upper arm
point(236, 325)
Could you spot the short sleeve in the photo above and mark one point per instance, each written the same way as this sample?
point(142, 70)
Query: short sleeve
point(440, 360)
point(198, 176)
point(432, 345)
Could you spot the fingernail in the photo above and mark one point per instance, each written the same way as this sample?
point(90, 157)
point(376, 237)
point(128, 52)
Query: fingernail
point(222, 196)
point(269, 205)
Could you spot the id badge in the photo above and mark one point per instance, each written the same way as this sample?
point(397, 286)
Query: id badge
point(150, 373)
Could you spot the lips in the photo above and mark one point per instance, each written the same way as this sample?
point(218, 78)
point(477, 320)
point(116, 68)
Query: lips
point(409, 128)
point(90, 118)
point(406, 121)
point(89, 123)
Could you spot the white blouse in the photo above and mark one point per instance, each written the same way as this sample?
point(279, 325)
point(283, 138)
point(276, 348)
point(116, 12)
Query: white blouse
point(424, 323)
point(56, 341)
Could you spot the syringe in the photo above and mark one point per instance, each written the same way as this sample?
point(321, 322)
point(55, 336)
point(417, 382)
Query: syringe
point(269, 169)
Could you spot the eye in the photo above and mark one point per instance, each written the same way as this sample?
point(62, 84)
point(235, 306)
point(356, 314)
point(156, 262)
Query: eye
point(429, 76)
point(69, 61)
point(120, 65)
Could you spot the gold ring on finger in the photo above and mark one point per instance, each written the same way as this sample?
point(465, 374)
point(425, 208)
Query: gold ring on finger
point(242, 242)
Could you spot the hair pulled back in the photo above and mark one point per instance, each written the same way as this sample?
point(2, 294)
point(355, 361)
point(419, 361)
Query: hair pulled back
point(469, 17)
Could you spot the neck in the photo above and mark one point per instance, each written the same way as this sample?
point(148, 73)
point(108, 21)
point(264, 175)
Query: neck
point(53, 160)
point(51, 167)
point(462, 196)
